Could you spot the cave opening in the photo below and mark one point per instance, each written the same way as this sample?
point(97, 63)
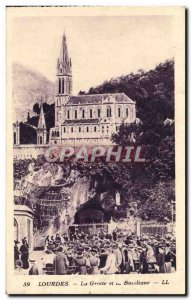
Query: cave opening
point(92, 212)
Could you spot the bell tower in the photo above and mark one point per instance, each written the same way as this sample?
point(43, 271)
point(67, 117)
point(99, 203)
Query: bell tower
point(63, 82)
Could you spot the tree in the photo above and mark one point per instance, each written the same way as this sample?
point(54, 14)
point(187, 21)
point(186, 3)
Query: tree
point(153, 91)
point(36, 108)
point(81, 93)
point(158, 204)
point(128, 134)
point(46, 107)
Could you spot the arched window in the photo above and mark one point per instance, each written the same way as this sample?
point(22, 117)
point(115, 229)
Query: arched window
point(75, 114)
point(14, 138)
point(83, 113)
point(79, 129)
point(108, 112)
point(68, 114)
point(58, 116)
point(119, 112)
point(66, 87)
point(52, 133)
point(59, 86)
point(127, 112)
point(69, 86)
point(98, 112)
point(87, 129)
point(62, 85)
point(91, 114)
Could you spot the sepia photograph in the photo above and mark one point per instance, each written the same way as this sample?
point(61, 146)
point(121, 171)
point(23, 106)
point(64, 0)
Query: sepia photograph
point(93, 141)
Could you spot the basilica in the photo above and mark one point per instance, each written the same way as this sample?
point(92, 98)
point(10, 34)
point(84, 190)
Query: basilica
point(82, 119)
point(86, 119)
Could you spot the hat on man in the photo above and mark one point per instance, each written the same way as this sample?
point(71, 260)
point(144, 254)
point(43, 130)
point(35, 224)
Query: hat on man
point(93, 250)
point(102, 250)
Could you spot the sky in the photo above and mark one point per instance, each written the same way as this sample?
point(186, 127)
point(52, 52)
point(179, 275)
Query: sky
point(100, 47)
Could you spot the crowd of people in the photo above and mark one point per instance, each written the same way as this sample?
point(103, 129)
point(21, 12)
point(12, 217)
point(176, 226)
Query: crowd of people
point(102, 253)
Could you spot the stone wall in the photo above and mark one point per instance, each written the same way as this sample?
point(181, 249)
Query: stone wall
point(29, 151)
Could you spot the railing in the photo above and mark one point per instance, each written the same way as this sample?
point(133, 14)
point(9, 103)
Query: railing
point(153, 229)
point(89, 227)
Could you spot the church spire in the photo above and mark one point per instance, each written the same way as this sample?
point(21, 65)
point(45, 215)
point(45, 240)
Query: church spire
point(63, 86)
point(41, 121)
point(64, 61)
point(41, 128)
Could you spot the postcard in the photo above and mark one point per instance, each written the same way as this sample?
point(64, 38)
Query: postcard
point(96, 150)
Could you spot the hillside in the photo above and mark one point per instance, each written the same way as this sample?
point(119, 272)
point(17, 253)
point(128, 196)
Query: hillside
point(152, 90)
point(28, 88)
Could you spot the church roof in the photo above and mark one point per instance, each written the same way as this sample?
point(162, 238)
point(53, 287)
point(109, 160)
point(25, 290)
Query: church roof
point(99, 98)
point(81, 121)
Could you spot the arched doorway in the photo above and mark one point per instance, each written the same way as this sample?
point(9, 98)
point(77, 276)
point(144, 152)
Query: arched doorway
point(16, 230)
point(89, 216)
